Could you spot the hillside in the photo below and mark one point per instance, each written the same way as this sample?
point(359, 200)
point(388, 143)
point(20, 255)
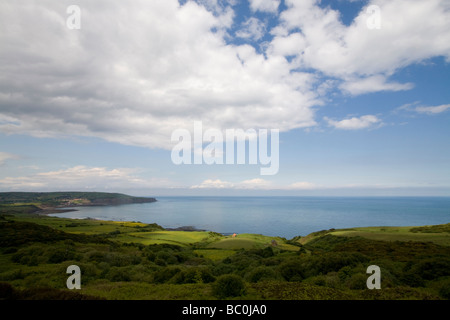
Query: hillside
point(439, 234)
point(47, 202)
point(133, 260)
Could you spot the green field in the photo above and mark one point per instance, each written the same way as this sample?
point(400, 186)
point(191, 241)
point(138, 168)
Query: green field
point(397, 234)
point(134, 260)
point(436, 234)
point(181, 238)
point(252, 241)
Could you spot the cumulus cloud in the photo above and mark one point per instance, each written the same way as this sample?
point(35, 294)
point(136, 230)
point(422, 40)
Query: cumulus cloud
point(252, 28)
point(356, 52)
point(138, 70)
point(354, 123)
point(265, 5)
point(287, 45)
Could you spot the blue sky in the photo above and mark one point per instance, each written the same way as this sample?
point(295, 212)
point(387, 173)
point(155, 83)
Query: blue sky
point(360, 110)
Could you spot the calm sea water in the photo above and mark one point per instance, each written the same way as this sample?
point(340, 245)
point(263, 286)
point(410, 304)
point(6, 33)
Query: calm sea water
point(276, 216)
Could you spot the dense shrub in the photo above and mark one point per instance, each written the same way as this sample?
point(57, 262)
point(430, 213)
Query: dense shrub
point(264, 253)
point(336, 261)
point(43, 294)
point(243, 261)
point(194, 275)
point(15, 274)
point(140, 273)
point(292, 270)
point(262, 273)
point(117, 274)
point(229, 285)
point(223, 268)
point(61, 255)
point(30, 256)
point(165, 274)
point(167, 256)
point(432, 268)
point(357, 282)
point(117, 259)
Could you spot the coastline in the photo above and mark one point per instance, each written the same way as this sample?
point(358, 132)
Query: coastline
point(44, 203)
point(47, 211)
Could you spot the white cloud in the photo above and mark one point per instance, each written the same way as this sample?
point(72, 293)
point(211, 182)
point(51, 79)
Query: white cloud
point(265, 5)
point(416, 107)
point(299, 186)
point(246, 184)
point(254, 184)
point(433, 110)
point(5, 156)
point(136, 71)
point(81, 177)
point(373, 84)
point(287, 45)
point(354, 123)
point(352, 53)
point(253, 28)
point(258, 184)
point(213, 184)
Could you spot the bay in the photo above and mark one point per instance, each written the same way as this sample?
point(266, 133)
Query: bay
point(276, 216)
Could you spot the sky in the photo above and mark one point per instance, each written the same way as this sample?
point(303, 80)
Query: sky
point(92, 94)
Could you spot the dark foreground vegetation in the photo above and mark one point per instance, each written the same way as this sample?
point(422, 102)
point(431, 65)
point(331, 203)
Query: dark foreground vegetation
point(35, 256)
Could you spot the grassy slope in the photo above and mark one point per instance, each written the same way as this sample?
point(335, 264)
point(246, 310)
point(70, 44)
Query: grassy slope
point(152, 234)
point(436, 234)
point(209, 245)
point(251, 241)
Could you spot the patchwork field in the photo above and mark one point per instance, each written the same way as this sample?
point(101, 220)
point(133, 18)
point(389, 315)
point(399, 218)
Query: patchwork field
point(133, 260)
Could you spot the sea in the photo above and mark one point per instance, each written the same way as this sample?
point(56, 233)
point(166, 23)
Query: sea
point(275, 216)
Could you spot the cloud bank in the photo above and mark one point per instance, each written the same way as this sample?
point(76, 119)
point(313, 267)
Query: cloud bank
point(138, 70)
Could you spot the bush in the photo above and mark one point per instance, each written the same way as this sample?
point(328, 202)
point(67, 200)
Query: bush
point(292, 270)
point(357, 282)
point(31, 256)
point(223, 268)
point(61, 255)
point(140, 273)
point(229, 285)
point(117, 274)
point(95, 256)
point(432, 268)
point(165, 274)
point(121, 260)
point(167, 257)
point(194, 275)
point(262, 273)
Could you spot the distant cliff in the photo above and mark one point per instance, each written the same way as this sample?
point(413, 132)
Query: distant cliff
point(48, 201)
